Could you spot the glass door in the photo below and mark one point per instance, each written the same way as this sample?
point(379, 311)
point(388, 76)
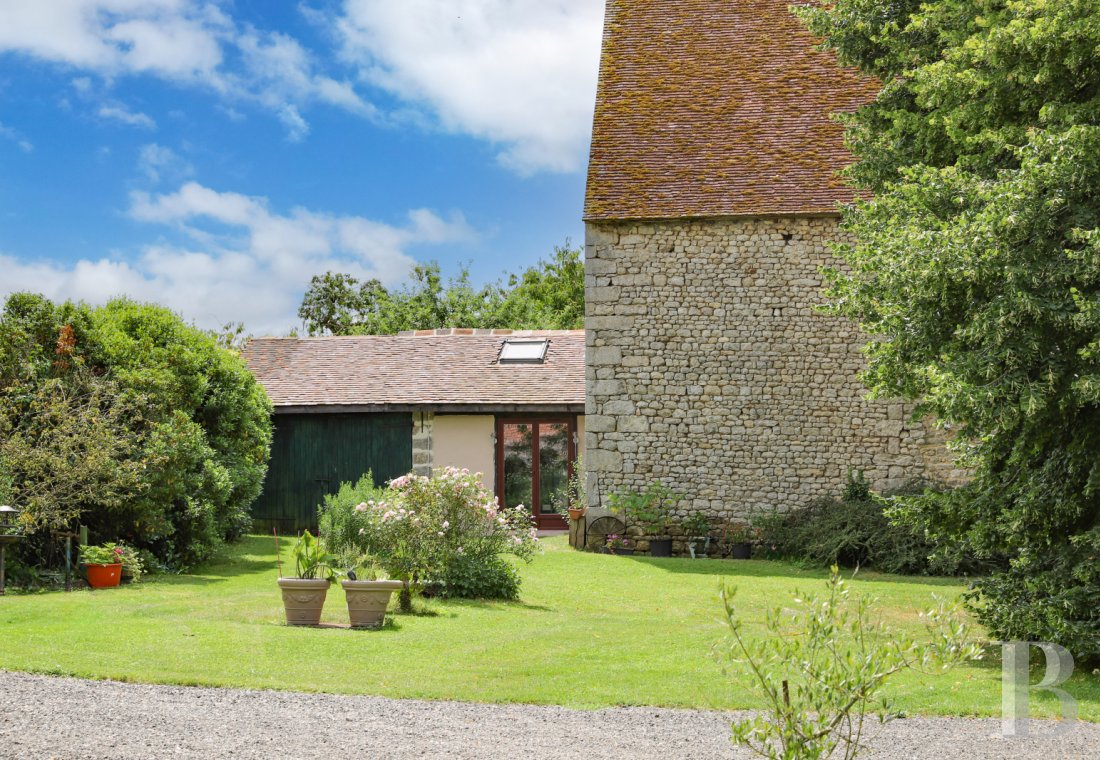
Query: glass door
point(534, 461)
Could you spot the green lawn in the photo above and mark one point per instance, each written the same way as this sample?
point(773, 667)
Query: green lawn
point(591, 631)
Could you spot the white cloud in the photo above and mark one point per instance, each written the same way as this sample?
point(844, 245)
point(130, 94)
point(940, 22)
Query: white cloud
point(244, 262)
point(187, 42)
point(119, 112)
point(176, 38)
point(296, 127)
point(157, 162)
point(521, 73)
point(16, 137)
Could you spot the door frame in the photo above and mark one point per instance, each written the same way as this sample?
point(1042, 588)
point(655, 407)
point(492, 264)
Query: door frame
point(552, 521)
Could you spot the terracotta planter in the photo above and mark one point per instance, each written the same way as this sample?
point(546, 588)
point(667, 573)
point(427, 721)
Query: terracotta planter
point(576, 514)
point(368, 600)
point(104, 576)
point(303, 599)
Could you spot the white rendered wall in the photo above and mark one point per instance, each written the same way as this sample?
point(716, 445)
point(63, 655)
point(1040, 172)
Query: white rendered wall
point(465, 440)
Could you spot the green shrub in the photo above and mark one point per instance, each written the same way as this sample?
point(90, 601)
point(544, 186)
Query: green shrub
point(651, 509)
point(491, 577)
point(822, 664)
point(855, 530)
point(130, 421)
point(340, 523)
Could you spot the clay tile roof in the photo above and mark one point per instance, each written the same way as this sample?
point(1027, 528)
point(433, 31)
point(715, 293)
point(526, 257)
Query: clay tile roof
point(716, 108)
point(433, 369)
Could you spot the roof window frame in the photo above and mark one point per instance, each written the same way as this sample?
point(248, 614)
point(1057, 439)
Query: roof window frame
point(540, 358)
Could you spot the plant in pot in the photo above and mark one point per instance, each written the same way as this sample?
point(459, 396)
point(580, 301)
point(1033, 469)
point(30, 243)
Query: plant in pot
point(304, 593)
point(133, 564)
point(740, 537)
point(572, 498)
point(697, 530)
point(102, 564)
point(652, 510)
point(617, 544)
point(368, 590)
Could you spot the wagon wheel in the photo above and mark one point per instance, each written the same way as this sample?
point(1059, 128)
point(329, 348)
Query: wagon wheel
point(600, 528)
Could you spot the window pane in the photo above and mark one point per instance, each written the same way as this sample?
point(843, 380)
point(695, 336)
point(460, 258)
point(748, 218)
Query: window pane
point(523, 351)
point(518, 470)
point(553, 463)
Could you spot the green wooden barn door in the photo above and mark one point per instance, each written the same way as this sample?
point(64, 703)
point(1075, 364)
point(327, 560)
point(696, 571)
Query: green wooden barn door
point(312, 454)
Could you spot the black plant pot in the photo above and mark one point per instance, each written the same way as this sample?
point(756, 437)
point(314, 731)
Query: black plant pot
point(622, 552)
point(660, 547)
point(741, 551)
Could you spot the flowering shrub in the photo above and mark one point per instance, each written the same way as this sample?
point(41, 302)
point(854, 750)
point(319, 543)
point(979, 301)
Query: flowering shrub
point(426, 527)
point(615, 542)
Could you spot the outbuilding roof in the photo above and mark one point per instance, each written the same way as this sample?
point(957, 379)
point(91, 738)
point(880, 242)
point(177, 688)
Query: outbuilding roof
point(445, 370)
point(716, 108)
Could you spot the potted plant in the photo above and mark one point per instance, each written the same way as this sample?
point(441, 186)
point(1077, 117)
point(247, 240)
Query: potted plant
point(572, 498)
point(304, 594)
point(133, 566)
point(102, 564)
point(652, 510)
point(697, 530)
point(368, 595)
point(740, 538)
point(620, 545)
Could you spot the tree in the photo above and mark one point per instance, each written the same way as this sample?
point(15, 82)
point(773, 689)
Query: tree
point(975, 266)
point(339, 304)
point(67, 445)
point(130, 421)
point(549, 295)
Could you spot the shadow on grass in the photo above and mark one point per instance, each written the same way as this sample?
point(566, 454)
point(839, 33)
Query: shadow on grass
point(499, 604)
point(763, 568)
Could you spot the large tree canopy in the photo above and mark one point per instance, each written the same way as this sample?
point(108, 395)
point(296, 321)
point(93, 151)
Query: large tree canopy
point(547, 296)
point(128, 420)
point(976, 269)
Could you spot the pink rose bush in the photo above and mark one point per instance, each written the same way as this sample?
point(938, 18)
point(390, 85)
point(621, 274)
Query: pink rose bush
point(448, 530)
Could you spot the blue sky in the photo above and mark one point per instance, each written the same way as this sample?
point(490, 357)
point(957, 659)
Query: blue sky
point(213, 155)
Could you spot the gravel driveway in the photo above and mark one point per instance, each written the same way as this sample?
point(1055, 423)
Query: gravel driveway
point(47, 717)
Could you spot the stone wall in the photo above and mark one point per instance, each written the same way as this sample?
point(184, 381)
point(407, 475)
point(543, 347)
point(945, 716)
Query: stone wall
point(708, 368)
point(423, 427)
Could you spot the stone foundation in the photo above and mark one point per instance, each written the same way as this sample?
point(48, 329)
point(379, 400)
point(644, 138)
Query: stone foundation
point(709, 368)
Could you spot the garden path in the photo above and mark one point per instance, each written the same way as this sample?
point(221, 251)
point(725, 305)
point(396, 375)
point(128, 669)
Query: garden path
point(44, 716)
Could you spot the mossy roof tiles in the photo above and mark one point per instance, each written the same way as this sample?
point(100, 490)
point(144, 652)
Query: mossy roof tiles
point(716, 108)
point(422, 370)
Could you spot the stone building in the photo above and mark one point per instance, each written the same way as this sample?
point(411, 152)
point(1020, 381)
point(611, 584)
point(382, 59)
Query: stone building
point(712, 196)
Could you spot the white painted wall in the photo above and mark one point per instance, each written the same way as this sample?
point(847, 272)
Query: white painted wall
point(466, 440)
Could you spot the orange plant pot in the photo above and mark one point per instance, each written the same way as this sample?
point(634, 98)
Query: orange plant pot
point(104, 576)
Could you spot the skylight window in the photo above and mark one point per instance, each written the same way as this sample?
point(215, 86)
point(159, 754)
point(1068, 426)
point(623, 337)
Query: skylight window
point(524, 351)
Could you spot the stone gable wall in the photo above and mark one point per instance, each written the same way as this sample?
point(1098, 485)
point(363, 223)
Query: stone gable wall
point(708, 368)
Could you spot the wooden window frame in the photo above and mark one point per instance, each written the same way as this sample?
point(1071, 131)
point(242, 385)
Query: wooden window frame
point(550, 521)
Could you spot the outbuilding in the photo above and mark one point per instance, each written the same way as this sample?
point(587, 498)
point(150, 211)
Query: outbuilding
point(507, 404)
